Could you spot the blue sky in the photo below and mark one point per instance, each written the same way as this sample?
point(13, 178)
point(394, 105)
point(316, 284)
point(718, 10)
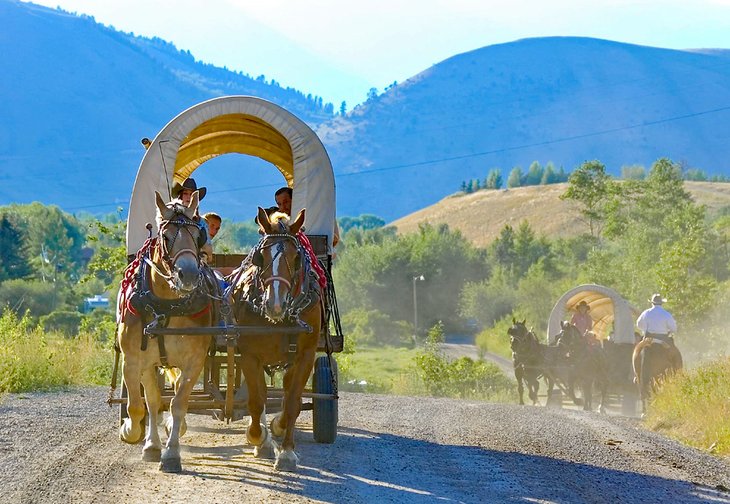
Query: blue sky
point(339, 49)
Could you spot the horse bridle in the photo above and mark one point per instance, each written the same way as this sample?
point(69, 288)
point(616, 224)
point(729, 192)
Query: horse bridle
point(279, 243)
point(181, 222)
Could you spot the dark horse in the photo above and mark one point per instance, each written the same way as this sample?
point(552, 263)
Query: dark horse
point(588, 364)
point(654, 359)
point(532, 360)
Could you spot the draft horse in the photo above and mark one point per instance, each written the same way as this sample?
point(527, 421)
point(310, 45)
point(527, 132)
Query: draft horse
point(588, 364)
point(653, 359)
point(164, 286)
point(277, 286)
point(526, 359)
point(532, 360)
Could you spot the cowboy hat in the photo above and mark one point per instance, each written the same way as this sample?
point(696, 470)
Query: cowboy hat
point(188, 183)
point(657, 299)
point(582, 303)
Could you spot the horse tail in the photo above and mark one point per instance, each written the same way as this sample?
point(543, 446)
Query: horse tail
point(636, 359)
point(173, 375)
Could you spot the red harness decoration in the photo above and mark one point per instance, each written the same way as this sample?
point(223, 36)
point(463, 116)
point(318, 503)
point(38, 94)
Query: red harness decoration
point(321, 277)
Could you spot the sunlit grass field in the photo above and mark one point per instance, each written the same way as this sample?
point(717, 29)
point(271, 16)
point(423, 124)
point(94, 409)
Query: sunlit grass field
point(694, 407)
point(33, 359)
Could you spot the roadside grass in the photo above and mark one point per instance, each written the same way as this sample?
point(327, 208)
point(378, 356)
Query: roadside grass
point(693, 406)
point(495, 339)
point(32, 359)
point(421, 372)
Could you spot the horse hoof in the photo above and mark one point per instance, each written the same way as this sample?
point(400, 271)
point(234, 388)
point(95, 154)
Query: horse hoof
point(265, 451)
point(286, 461)
point(126, 433)
point(275, 429)
point(171, 465)
point(151, 454)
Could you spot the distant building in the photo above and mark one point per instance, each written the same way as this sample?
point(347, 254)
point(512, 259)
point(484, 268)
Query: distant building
point(95, 302)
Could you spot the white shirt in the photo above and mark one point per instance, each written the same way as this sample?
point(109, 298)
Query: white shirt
point(656, 320)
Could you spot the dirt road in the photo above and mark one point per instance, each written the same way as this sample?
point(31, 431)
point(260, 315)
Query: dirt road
point(63, 447)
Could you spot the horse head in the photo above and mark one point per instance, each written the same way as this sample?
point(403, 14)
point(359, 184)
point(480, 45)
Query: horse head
point(179, 242)
point(279, 257)
point(521, 338)
point(569, 336)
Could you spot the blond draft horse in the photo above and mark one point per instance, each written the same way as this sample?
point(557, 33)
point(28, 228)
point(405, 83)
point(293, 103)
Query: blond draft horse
point(174, 274)
point(280, 274)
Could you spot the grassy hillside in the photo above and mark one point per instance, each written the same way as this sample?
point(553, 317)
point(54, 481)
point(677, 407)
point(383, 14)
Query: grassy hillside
point(481, 215)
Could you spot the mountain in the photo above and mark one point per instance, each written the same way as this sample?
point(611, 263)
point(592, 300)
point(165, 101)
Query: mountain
point(77, 97)
point(480, 216)
point(559, 99)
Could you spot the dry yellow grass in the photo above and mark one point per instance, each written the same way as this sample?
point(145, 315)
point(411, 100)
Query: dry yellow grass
point(481, 216)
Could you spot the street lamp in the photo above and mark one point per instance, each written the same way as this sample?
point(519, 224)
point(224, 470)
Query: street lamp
point(415, 306)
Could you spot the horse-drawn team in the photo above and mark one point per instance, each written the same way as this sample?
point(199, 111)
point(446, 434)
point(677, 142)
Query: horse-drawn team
point(271, 312)
point(578, 357)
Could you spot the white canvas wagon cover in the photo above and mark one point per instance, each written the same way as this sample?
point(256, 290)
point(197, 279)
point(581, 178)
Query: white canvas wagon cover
point(608, 310)
point(235, 124)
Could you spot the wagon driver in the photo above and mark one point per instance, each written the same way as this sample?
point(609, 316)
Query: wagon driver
point(184, 192)
point(582, 319)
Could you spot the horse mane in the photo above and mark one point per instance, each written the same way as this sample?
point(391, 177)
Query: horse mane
point(280, 218)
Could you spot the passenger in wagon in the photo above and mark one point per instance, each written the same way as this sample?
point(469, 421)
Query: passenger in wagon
point(283, 197)
point(582, 319)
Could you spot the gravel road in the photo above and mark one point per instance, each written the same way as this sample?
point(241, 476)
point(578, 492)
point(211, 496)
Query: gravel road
point(63, 447)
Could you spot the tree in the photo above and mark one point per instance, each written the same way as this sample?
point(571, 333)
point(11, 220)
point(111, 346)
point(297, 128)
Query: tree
point(343, 108)
point(515, 177)
point(13, 251)
point(549, 176)
point(633, 172)
point(592, 189)
point(372, 94)
point(494, 179)
point(534, 174)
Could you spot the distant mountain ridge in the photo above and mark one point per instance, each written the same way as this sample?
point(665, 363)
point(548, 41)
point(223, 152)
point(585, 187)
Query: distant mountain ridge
point(79, 97)
point(560, 99)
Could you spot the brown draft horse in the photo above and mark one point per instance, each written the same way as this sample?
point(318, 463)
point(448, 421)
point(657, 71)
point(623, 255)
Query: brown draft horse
point(653, 359)
point(276, 288)
point(168, 280)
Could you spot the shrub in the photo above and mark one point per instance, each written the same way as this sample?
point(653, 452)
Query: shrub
point(462, 378)
point(66, 322)
point(21, 296)
point(34, 359)
point(495, 339)
point(371, 327)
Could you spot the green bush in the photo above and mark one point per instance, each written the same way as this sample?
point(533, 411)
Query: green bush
point(371, 327)
point(495, 339)
point(462, 378)
point(65, 322)
point(21, 296)
point(34, 359)
point(100, 325)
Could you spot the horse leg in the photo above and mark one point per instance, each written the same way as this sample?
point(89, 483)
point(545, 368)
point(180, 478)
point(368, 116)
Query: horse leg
point(294, 381)
point(534, 387)
point(520, 390)
point(131, 430)
point(152, 446)
point(170, 459)
point(257, 434)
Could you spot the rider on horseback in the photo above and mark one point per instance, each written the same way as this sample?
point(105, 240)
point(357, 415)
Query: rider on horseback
point(656, 323)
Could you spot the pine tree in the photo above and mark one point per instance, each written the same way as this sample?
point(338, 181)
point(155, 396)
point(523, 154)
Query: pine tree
point(494, 179)
point(13, 257)
point(515, 177)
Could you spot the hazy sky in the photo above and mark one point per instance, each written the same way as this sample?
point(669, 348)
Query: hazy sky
point(339, 49)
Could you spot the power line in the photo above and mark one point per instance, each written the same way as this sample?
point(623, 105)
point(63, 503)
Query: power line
point(475, 154)
point(536, 144)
